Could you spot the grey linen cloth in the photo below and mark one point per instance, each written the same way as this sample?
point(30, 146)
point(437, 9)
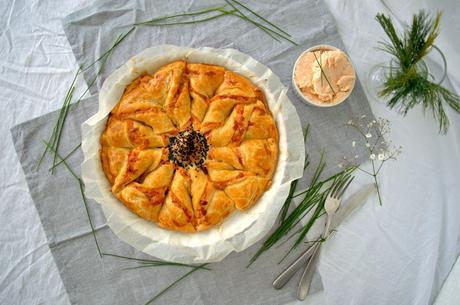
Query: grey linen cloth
point(87, 278)
point(92, 30)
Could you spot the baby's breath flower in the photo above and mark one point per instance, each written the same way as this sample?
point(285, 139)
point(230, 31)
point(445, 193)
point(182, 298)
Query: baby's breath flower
point(373, 132)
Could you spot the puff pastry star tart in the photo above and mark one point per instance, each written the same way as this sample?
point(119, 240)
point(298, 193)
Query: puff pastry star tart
point(186, 146)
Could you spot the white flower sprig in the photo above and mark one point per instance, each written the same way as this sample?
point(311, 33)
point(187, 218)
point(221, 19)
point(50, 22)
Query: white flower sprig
point(379, 151)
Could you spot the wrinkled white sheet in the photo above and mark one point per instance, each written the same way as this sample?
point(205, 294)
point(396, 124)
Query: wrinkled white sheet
point(400, 253)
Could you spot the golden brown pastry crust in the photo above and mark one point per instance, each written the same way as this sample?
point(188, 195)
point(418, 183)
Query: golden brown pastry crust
point(229, 110)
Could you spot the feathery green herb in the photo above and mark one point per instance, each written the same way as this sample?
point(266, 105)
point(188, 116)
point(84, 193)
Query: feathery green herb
point(406, 86)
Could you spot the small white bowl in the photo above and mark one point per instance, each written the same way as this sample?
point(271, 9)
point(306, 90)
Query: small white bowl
point(308, 100)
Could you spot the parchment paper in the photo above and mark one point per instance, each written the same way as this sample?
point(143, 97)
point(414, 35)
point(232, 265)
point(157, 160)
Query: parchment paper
point(241, 229)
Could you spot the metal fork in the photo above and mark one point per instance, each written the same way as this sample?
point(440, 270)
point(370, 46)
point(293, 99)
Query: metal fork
point(287, 274)
point(331, 205)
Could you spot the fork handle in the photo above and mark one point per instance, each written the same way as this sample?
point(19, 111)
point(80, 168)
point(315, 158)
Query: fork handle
point(307, 276)
point(287, 274)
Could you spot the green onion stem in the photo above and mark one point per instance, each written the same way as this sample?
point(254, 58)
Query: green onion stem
point(164, 264)
point(62, 110)
point(61, 122)
point(264, 19)
point(149, 262)
point(82, 192)
point(314, 197)
point(293, 185)
point(212, 9)
point(117, 41)
point(55, 137)
point(267, 30)
point(323, 73)
point(244, 17)
point(174, 283)
point(103, 60)
point(66, 157)
point(192, 21)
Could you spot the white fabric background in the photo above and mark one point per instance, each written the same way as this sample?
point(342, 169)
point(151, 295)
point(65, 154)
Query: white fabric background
point(399, 253)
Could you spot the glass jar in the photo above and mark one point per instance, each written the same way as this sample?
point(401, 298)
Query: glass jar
point(379, 73)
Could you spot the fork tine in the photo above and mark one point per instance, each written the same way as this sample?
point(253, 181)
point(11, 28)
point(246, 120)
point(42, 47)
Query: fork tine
point(344, 188)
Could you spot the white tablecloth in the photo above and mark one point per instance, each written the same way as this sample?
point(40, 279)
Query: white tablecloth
point(400, 253)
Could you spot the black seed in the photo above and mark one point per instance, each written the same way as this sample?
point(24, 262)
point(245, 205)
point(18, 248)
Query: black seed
point(188, 148)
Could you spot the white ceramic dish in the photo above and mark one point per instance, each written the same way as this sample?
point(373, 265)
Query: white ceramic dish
point(306, 99)
point(238, 231)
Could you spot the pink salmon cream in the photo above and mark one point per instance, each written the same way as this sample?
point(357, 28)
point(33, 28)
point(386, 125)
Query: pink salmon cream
point(324, 76)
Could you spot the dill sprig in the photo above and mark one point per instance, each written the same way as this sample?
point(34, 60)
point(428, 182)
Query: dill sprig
point(405, 85)
point(313, 201)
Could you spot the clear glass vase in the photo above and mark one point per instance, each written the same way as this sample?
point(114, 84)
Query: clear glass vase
point(379, 73)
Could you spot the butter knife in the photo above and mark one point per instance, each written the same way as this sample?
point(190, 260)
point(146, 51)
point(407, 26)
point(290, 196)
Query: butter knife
point(352, 204)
